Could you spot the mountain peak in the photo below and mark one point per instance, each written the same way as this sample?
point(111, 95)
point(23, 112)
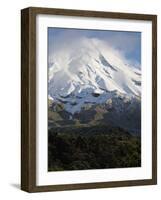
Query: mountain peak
point(89, 71)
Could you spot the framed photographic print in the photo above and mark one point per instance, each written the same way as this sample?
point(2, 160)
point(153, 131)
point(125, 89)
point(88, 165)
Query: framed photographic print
point(89, 99)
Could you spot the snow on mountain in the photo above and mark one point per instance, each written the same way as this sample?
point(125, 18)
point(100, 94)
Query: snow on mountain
point(90, 71)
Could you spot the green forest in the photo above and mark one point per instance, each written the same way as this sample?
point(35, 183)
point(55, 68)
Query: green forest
point(98, 147)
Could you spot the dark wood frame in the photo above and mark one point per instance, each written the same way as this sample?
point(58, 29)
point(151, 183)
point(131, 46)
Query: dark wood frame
point(28, 98)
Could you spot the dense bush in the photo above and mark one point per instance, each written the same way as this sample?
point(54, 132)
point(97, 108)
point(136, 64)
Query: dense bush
point(82, 148)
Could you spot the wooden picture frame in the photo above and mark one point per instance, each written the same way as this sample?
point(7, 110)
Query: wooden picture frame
point(28, 98)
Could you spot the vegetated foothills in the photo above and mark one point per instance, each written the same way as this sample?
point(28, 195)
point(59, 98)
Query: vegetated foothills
point(94, 108)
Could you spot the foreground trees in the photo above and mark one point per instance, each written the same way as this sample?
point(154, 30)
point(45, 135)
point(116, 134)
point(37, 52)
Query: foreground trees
point(100, 148)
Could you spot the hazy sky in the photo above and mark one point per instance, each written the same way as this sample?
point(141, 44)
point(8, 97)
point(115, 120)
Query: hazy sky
point(128, 43)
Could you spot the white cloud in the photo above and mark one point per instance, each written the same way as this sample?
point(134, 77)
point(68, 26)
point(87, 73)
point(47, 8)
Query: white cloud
point(122, 43)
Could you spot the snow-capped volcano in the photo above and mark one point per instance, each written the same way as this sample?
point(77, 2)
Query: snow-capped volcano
point(89, 71)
